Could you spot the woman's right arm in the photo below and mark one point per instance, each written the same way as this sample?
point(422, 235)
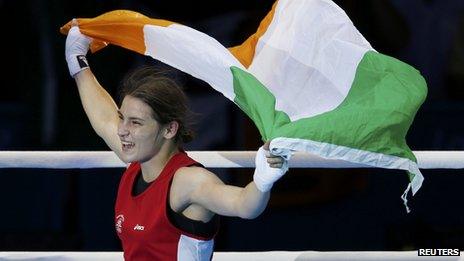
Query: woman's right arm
point(98, 104)
point(100, 109)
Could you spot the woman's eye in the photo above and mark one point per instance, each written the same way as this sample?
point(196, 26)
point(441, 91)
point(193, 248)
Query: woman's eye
point(135, 122)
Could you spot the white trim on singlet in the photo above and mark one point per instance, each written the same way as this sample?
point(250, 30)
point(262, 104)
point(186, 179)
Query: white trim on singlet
point(192, 249)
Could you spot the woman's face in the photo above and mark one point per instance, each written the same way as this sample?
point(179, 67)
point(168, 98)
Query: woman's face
point(140, 134)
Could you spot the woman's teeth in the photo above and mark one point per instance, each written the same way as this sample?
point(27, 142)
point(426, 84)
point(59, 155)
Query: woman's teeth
point(127, 145)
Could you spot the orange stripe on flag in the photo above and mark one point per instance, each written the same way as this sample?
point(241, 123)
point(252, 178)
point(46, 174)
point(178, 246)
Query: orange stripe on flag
point(246, 51)
point(121, 27)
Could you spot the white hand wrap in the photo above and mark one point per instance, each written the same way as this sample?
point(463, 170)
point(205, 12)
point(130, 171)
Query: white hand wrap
point(77, 46)
point(265, 176)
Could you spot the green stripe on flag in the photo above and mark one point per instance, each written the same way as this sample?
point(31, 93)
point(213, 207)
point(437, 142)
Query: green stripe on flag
point(375, 116)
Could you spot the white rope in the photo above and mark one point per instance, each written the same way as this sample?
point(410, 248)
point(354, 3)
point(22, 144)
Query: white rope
point(243, 256)
point(210, 159)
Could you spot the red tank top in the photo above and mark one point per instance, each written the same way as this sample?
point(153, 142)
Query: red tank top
point(142, 221)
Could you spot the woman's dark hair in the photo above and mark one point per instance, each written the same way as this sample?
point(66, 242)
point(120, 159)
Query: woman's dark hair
point(166, 98)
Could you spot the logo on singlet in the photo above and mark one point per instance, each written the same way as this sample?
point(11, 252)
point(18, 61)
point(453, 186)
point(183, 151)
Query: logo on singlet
point(118, 224)
point(139, 227)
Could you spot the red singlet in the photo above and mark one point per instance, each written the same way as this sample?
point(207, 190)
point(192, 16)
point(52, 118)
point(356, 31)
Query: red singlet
point(143, 224)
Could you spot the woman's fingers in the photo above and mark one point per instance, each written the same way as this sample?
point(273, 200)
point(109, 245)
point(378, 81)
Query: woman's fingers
point(275, 161)
point(276, 165)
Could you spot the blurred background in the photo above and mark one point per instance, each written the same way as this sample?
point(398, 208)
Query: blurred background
point(310, 209)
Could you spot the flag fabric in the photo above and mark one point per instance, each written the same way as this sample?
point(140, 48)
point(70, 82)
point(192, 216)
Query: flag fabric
point(307, 78)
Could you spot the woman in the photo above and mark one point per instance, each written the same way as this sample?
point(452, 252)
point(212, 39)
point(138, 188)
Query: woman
point(167, 204)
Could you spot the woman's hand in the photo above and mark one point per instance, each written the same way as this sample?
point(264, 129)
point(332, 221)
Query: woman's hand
point(269, 168)
point(76, 48)
point(272, 160)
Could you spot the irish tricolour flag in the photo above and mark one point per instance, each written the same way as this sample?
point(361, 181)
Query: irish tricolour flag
point(307, 78)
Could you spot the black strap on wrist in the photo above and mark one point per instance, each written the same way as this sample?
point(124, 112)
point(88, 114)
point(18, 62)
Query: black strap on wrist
point(82, 60)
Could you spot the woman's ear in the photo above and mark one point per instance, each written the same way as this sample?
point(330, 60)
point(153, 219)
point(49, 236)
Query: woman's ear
point(171, 129)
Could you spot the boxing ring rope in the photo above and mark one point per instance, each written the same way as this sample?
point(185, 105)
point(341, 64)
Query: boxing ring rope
point(219, 159)
point(210, 159)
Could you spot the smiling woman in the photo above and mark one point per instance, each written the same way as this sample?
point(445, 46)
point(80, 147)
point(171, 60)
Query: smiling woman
point(167, 205)
point(151, 101)
point(163, 95)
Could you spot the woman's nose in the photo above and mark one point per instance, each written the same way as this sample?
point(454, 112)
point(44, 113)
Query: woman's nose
point(122, 129)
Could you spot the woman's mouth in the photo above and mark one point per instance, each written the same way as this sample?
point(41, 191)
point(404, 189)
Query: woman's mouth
point(127, 145)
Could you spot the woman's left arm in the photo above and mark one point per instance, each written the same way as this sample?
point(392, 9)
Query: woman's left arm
point(208, 191)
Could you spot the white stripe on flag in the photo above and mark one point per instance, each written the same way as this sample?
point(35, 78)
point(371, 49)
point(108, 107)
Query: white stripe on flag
point(308, 57)
point(192, 52)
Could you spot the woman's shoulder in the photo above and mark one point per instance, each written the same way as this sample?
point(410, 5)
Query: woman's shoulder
point(194, 175)
point(192, 171)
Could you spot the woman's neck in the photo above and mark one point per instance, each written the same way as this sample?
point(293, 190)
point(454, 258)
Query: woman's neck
point(152, 168)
